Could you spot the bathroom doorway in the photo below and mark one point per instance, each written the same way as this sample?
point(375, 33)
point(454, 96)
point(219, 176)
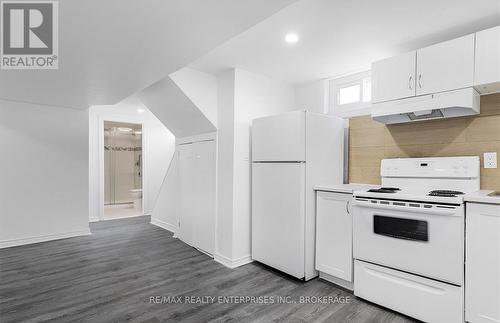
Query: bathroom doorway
point(123, 170)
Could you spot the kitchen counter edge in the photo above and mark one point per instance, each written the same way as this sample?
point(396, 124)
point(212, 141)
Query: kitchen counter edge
point(482, 197)
point(344, 188)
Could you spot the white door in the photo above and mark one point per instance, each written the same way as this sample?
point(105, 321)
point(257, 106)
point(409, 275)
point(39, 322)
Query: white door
point(334, 235)
point(394, 78)
point(279, 138)
point(278, 215)
point(482, 284)
point(446, 66)
point(204, 193)
point(186, 193)
point(487, 69)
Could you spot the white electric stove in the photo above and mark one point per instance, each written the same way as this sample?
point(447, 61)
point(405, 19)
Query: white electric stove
point(409, 236)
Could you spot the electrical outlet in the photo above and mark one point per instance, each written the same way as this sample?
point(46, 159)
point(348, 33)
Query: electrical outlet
point(490, 160)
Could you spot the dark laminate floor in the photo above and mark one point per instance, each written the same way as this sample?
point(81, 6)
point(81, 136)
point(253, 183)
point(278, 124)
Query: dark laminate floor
point(111, 275)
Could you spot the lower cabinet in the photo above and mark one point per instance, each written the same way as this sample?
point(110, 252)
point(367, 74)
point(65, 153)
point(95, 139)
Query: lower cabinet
point(334, 237)
point(482, 259)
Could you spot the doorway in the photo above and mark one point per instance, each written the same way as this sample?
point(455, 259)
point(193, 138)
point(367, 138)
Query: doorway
point(123, 170)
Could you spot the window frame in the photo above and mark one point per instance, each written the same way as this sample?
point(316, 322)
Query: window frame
point(349, 109)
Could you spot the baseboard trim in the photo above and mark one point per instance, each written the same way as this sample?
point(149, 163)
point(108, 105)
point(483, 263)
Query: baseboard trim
point(232, 263)
point(94, 219)
point(164, 225)
point(42, 238)
point(337, 281)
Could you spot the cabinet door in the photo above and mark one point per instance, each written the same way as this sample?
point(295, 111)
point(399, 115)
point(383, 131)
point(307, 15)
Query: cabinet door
point(186, 193)
point(334, 235)
point(204, 194)
point(487, 68)
point(446, 66)
point(482, 283)
point(394, 78)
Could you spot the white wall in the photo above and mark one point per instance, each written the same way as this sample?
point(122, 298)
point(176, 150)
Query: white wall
point(243, 96)
point(158, 149)
point(200, 88)
point(165, 211)
point(312, 96)
point(44, 166)
point(255, 96)
point(225, 163)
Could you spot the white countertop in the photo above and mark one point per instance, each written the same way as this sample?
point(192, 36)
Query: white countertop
point(345, 188)
point(482, 197)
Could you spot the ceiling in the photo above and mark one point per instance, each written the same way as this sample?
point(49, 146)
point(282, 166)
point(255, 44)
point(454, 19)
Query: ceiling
point(344, 36)
point(109, 49)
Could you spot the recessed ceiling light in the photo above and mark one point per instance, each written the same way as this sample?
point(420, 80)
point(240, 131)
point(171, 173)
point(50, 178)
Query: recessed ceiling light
point(291, 38)
point(140, 110)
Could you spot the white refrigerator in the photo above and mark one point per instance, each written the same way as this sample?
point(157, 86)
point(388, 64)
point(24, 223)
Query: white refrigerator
point(291, 153)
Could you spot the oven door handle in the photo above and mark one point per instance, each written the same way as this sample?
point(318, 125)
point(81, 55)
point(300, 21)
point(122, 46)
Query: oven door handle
point(433, 211)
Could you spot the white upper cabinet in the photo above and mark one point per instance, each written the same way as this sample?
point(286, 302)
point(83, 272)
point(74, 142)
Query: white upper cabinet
point(446, 66)
point(438, 68)
point(487, 70)
point(394, 78)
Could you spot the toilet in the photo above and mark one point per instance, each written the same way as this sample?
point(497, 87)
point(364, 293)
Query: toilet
point(136, 195)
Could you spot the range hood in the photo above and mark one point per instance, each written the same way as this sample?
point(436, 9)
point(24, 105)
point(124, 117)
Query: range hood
point(457, 103)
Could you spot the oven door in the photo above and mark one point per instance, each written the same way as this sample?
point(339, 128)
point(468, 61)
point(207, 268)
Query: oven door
point(426, 240)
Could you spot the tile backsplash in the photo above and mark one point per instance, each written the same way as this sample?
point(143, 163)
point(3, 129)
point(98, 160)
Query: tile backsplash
point(370, 142)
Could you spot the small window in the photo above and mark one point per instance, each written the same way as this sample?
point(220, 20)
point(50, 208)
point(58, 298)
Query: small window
point(350, 95)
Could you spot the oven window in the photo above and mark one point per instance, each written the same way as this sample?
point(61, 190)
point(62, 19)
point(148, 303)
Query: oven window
point(408, 229)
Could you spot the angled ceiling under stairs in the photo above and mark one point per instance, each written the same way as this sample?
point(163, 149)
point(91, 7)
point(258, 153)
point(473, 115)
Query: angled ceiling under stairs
point(174, 109)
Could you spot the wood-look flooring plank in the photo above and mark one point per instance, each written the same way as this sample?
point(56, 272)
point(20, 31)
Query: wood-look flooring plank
point(110, 276)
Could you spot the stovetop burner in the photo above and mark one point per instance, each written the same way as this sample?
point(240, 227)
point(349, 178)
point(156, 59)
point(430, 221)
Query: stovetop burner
point(445, 193)
point(384, 190)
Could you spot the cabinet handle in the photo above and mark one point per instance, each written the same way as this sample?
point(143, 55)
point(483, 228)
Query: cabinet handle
point(410, 82)
point(347, 207)
point(420, 81)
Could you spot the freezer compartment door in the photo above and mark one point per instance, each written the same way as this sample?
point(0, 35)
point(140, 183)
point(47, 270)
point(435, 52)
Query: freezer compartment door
point(278, 215)
point(279, 138)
